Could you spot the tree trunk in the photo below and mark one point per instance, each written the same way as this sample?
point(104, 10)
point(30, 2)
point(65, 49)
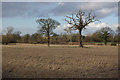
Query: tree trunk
point(48, 36)
point(105, 42)
point(48, 39)
point(80, 39)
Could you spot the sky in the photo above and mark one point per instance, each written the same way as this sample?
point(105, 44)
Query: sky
point(22, 16)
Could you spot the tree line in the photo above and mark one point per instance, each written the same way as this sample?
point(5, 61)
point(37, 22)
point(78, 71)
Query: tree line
point(78, 21)
point(104, 35)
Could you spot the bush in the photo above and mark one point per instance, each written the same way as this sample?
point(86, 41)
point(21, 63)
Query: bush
point(113, 44)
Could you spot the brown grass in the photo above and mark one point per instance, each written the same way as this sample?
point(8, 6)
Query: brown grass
point(39, 61)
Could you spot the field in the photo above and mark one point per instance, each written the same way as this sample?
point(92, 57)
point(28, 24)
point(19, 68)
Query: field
point(39, 61)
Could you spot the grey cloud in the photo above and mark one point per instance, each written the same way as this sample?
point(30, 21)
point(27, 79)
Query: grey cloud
point(106, 12)
point(65, 9)
point(97, 7)
point(41, 9)
point(118, 8)
point(13, 9)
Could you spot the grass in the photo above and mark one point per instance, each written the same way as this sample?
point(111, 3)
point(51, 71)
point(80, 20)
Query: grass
point(39, 61)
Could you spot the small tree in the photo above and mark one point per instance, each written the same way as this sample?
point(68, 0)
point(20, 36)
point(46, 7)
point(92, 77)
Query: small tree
point(79, 21)
point(105, 37)
point(8, 37)
point(17, 36)
point(106, 32)
point(26, 38)
point(47, 26)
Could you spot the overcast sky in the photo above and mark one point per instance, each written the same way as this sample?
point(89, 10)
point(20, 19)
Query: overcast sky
point(23, 15)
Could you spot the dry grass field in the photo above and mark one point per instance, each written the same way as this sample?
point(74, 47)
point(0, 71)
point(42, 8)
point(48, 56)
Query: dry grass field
point(39, 61)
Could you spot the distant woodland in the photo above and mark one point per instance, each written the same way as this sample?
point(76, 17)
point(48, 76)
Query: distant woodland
point(97, 37)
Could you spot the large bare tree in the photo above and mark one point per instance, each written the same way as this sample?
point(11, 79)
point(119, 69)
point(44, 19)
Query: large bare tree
point(79, 21)
point(47, 26)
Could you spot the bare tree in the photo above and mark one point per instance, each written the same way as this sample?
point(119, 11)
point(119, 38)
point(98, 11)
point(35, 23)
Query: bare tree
point(10, 30)
point(47, 26)
point(79, 21)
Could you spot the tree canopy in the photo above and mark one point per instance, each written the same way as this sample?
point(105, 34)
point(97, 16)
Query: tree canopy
point(47, 26)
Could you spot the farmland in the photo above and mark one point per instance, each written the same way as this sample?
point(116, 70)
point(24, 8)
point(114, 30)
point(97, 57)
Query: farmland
point(59, 61)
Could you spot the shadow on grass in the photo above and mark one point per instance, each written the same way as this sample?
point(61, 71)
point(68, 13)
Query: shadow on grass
point(67, 47)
